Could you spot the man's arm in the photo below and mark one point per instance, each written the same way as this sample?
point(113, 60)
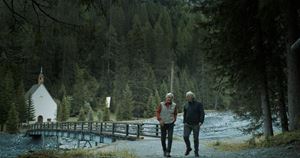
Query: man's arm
point(184, 114)
point(202, 113)
point(175, 114)
point(158, 110)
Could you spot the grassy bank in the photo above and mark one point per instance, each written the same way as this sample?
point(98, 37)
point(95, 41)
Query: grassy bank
point(259, 142)
point(78, 153)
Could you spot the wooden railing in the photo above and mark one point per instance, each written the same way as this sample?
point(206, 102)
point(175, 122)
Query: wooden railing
point(121, 129)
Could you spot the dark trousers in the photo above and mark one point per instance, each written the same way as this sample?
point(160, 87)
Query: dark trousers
point(167, 129)
point(186, 135)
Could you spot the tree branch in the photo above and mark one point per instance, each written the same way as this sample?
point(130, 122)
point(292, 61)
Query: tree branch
point(12, 7)
point(38, 17)
point(296, 45)
point(14, 12)
point(17, 14)
point(51, 17)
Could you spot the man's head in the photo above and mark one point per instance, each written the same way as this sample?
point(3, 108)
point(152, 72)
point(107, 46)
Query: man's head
point(190, 96)
point(169, 97)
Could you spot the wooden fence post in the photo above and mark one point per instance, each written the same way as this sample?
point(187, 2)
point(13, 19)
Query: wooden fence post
point(113, 129)
point(127, 130)
point(101, 127)
point(157, 130)
point(138, 131)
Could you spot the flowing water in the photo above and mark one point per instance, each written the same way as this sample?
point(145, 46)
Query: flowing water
point(217, 125)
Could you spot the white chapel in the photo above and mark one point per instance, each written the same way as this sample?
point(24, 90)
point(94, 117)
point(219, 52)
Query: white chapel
point(45, 108)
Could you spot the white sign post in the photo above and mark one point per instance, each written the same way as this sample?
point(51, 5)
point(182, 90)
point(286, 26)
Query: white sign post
point(107, 102)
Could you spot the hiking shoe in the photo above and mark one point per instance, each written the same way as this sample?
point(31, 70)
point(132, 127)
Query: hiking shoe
point(196, 154)
point(168, 154)
point(165, 154)
point(187, 152)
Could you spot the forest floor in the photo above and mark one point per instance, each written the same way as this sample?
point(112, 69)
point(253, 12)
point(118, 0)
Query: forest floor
point(151, 147)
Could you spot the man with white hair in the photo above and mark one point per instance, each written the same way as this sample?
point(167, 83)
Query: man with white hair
point(193, 118)
point(166, 115)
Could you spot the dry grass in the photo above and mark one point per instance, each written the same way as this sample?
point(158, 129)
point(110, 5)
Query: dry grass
point(259, 142)
point(226, 146)
point(79, 153)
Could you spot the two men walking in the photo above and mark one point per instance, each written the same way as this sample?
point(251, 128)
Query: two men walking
point(193, 117)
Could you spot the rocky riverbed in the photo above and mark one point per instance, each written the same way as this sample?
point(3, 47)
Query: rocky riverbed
point(12, 145)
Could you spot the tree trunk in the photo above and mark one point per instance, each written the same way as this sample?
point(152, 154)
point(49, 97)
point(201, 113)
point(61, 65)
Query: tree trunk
point(293, 90)
point(172, 77)
point(263, 80)
point(282, 107)
point(265, 105)
point(216, 102)
point(293, 67)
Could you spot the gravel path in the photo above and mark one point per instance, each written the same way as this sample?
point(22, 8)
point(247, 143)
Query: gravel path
point(151, 148)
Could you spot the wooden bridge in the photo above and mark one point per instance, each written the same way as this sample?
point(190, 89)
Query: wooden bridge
point(93, 131)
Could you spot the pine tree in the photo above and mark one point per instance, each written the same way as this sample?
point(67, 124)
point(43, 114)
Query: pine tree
point(157, 98)
point(84, 89)
point(149, 43)
point(126, 106)
point(166, 24)
point(20, 102)
point(13, 120)
point(291, 12)
point(179, 95)
point(243, 56)
point(121, 72)
point(30, 110)
point(150, 107)
point(62, 91)
point(67, 102)
point(163, 89)
point(99, 115)
point(6, 95)
point(161, 65)
point(91, 115)
point(106, 115)
point(81, 116)
point(59, 112)
point(79, 91)
point(1, 98)
point(150, 80)
point(136, 48)
point(118, 19)
point(63, 110)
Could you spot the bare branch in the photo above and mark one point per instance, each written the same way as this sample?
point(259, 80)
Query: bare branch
point(14, 12)
point(12, 7)
point(38, 17)
point(17, 14)
point(51, 17)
